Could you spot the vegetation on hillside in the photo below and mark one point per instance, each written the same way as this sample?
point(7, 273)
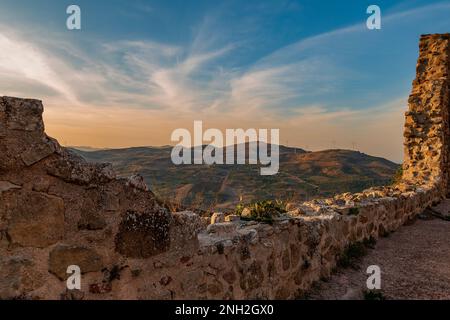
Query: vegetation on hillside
point(302, 176)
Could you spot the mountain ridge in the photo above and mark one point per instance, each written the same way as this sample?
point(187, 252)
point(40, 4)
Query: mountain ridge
point(303, 175)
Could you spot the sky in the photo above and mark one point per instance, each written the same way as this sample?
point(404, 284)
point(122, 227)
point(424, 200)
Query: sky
point(139, 69)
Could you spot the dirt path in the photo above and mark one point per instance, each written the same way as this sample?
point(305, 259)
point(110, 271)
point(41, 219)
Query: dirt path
point(414, 262)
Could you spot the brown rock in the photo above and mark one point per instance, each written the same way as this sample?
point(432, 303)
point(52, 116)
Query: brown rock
point(215, 288)
point(363, 218)
point(285, 260)
point(6, 185)
point(100, 288)
point(184, 227)
point(37, 152)
point(271, 268)
point(72, 295)
point(36, 219)
point(74, 169)
point(137, 181)
point(41, 184)
point(110, 202)
point(282, 293)
point(217, 217)
point(164, 281)
point(229, 276)
point(18, 276)
point(63, 256)
point(91, 221)
point(251, 276)
point(232, 218)
point(295, 254)
point(24, 114)
point(191, 280)
point(244, 252)
point(143, 235)
point(298, 278)
point(220, 228)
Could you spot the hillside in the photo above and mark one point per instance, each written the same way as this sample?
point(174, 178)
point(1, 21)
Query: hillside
point(303, 175)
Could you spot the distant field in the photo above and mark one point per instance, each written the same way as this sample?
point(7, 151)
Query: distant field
point(302, 176)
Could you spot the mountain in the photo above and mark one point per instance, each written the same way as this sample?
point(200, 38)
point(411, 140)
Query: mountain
point(86, 148)
point(302, 175)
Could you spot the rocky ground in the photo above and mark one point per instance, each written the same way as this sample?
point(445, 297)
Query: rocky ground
point(414, 263)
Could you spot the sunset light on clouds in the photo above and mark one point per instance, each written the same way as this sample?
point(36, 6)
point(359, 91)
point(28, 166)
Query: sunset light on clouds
point(138, 71)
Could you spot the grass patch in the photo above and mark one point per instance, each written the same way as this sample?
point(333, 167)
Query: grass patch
point(262, 211)
point(354, 252)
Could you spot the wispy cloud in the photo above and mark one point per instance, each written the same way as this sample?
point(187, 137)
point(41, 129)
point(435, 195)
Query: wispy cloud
point(300, 84)
point(21, 60)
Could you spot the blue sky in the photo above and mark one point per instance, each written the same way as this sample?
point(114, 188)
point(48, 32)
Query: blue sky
point(139, 69)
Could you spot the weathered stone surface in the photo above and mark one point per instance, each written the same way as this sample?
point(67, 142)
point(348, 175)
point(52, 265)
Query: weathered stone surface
point(143, 235)
point(91, 221)
point(73, 294)
point(73, 168)
point(248, 235)
point(221, 228)
point(63, 256)
point(35, 219)
point(37, 152)
point(18, 277)
point(23, 114)
point(214, 289)
point(286, 260)
point(230, 276)
point(441, 209)
point(184, 228)
point(217, 217)
point(110, 201)
point(148, 253)
point(191, 280)
point(252, 276)
point(137, 181)
point(232, 218)
point(41, 184)
point(6, 185)
point(48, 193)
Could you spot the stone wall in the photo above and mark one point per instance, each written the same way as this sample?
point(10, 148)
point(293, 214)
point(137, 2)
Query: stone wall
point(57, 210)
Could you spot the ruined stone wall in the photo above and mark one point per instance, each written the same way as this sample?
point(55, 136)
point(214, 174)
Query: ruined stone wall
point(57, 210)
point(426, 124)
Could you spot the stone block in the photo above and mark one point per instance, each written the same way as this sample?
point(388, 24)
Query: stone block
point(63, 256)
point(36, 219)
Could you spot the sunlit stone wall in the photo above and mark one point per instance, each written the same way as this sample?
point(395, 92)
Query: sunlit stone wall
point(57, 210)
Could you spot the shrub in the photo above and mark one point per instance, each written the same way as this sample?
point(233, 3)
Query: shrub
point(352, 255)
point(354, 252)
point(263, 211)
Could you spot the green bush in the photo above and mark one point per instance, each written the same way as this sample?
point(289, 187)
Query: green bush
point(263, 211)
